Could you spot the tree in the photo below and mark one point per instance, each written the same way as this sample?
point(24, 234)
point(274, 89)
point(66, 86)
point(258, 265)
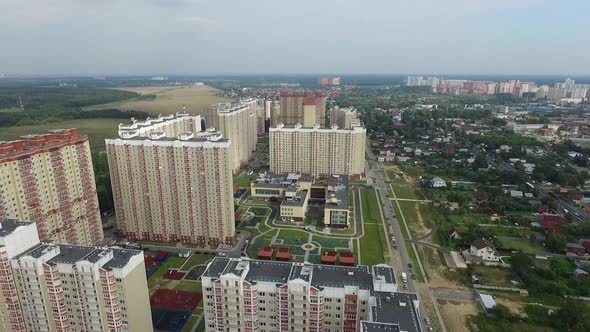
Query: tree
point(561, 267)
point(572, 315)
point(555, 242)
point(480, 162)
point(502, 313)
point(521, 264)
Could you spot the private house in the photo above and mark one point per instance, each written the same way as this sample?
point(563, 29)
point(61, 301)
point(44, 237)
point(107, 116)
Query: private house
point(437, 183)
point(485, 250)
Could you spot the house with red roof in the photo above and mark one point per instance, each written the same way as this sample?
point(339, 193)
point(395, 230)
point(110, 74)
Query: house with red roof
point(550, 221)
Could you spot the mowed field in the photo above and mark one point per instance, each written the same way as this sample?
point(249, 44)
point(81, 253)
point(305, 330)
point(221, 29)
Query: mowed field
point(168, 99)
point(96, 129)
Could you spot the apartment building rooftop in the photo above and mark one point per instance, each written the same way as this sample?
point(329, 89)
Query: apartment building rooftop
point(232, 107)
point(356, 126)
point(269, 180)
point(185, 137)
point(30, 144)
point(143, 128)
point(295, 197)
point(9, 225)
point(281, 272)
point(397, 308)
point(337, 193)
point(385, 272)
point(148, 122)
point(379, 327)
point(71, 254)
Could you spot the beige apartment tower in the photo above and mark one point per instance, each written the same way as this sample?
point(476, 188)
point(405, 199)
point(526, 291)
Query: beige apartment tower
point(49, 179)
point(172, 186)
point(307, 109)
point(239, 124)
point(269, 296)
point(317, 151)
point(67, 288)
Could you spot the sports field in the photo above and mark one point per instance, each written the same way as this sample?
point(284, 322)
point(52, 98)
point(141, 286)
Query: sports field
point(167, 99)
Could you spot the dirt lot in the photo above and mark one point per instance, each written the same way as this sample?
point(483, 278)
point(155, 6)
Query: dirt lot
point(168, 100)
point(454, 314)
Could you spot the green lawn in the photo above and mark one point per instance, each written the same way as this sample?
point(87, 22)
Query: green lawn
point(406, 191)
point(411, 216)
point(243, 182)
point(414, 259)
point(371, 247)
point(370, 206)
point(523, 245)
point(494, 276)
point(190, 286)
point(196, 259)
point(293, 234)
point(190, 324)
point(401, 221)
point(172, 262)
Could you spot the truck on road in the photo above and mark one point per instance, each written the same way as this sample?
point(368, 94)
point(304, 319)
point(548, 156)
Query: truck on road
point(404, 277)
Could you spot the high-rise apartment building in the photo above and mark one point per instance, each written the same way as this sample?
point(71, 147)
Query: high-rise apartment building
point(260, 120)
point(238, 123)
point(254, 295)
point(344, 118)
point(172, 184)
point(49, 179)
point(53, 287)
point(307, 109)
point(329, 80)
point(317, 151)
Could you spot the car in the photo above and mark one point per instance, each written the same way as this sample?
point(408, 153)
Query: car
point(410, 265)
point(413, 276)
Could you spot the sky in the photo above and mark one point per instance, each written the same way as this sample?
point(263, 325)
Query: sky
point(168, 37)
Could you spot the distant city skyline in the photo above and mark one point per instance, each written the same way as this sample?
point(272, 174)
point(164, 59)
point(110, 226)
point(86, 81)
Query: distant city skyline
point(135, 37)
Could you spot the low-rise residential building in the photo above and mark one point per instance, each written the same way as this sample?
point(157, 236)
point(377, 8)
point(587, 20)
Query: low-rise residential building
point(296, 191)
point(438, 183)
point(485, 250)
point(265, 296)
point(63, 287)
point(575, 248)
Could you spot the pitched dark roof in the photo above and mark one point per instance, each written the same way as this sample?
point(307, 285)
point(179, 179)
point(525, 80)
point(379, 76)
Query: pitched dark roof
point(482, 243)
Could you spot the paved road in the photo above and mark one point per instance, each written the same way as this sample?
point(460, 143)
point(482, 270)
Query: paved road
point(579, 215)
point(390, 218)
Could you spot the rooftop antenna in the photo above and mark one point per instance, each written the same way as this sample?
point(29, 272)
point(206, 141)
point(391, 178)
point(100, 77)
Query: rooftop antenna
point(132, 117)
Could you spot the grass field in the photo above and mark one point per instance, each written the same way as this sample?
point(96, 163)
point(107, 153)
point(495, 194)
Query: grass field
point(168, 99)
point(523, 245)
point(373, 245)
point(158, 276)
point(96, 129)
point(196, 259)
point(411, 216)
point(494, 276)
point(406, 191)
point(190, 286)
